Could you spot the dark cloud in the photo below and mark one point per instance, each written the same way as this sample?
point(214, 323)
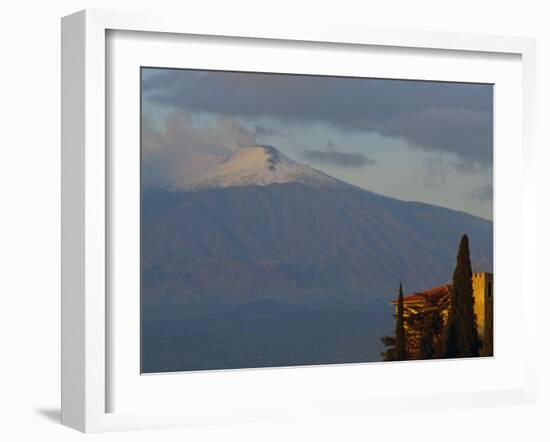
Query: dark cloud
point(341, 159)
point(264, 131)
point(453, 118)
point(466, 133)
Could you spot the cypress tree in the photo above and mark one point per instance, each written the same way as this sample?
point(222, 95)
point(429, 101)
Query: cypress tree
point(461, 339)
point(400, 352)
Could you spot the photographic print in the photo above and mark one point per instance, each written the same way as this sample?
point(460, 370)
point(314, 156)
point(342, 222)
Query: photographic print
point(295, 220)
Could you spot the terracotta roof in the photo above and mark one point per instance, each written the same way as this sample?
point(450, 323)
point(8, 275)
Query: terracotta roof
point(440, 291)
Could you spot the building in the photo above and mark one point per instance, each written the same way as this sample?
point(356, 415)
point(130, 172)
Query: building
point(483, 300)
point(437, 300)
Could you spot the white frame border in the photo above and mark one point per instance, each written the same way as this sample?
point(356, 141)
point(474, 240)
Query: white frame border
point(84, 201)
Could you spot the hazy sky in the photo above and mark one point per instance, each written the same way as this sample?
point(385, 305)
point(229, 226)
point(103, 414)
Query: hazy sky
point(413, 140)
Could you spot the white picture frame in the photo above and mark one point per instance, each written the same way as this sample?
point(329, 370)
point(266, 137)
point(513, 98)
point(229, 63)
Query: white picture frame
point(86, 315)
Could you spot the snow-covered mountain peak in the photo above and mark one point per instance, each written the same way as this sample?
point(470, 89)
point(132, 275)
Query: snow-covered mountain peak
point(256, 166)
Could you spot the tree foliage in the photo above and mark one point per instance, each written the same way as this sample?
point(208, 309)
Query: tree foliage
point(461, 338)
point(389, 354)
point(425, 327)
point(487, 349)
point(400, 338)
point(430, 338)
point(396, 345)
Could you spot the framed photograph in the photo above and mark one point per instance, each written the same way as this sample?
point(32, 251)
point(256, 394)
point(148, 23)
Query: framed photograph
point(266, 222)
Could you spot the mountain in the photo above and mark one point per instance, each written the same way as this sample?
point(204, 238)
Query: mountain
point(267, 262)
point(261, 226)
point(256, 166)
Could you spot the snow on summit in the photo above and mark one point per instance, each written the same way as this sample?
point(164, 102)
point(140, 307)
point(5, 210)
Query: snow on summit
point(256, 166)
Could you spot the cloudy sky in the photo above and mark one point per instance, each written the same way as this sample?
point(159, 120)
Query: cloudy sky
point(413, 140)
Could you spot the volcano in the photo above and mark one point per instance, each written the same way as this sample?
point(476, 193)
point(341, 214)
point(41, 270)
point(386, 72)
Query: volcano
point(257, 166)
point(259, 229)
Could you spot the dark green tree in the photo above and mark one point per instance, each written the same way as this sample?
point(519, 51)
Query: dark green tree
point(430, 335)
point(400, 338)
point(396, 345)
point(461, 338)
point(389, 354)
point(487, 349)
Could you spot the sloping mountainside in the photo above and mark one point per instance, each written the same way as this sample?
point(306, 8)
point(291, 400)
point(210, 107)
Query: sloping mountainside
point(268, 262)
point(292, 241)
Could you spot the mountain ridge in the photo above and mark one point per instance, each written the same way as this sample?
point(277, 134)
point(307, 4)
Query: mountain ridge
point(299, 243)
